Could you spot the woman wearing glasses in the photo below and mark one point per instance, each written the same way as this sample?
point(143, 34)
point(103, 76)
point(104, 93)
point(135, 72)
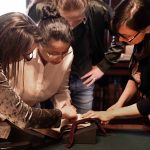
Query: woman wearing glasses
point(89, 19)
point(45, 76)
point(19, 35)
point(132, 24)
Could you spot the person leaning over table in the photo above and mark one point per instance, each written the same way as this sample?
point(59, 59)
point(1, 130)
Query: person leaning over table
point(19, 35)
point(132, 25)
point(89, 20)
point(46, 75)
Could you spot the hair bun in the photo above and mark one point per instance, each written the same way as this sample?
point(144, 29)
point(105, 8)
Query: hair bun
point(47, 11)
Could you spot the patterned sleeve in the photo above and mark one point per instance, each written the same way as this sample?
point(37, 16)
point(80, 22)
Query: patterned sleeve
point(20, 114)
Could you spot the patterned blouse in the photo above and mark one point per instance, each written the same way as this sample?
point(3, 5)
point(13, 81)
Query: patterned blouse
point(20, 114)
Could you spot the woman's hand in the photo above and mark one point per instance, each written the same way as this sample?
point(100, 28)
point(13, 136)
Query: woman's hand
point(104, 116)
point(94, 74)
point(69, 112)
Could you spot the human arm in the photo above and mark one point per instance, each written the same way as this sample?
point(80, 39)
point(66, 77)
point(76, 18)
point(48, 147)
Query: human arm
point(20, 114)
point(94, 74)
point(69, 112)
point(98, 16)
point(61, 99)
point(111, 57)
point(128, 93)
point(142, 107)
point(62, 96)
point(105, 116)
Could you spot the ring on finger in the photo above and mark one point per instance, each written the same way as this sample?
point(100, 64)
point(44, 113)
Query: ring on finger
point(94, 78)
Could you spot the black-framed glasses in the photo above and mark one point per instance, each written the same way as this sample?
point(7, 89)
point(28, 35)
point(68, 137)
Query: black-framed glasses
point(128, 39)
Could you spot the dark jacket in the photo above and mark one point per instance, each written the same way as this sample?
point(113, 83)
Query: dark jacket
point(89, 43)
point(142, 56)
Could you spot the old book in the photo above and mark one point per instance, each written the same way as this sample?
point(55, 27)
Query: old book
point(65, 126)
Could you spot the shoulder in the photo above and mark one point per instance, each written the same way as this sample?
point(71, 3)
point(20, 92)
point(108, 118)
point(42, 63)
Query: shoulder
point(32, 11)
point(98, 13)
point(98, 6)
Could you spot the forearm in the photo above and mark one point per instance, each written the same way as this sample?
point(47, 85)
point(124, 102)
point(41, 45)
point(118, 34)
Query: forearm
point(128, 92)
point(44, 118)
point(62, 97)
point(20, 114)
point(131, 110)
point(60, 100)
point(23, 116)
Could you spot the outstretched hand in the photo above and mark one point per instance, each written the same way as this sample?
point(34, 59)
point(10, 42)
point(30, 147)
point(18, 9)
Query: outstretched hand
point(104, 116)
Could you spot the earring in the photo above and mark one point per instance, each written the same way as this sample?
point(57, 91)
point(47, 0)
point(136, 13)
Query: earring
point(84, 20)
point(28, 57)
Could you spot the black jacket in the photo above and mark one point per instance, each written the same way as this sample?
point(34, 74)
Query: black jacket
point(90, 45)
point(142, 55)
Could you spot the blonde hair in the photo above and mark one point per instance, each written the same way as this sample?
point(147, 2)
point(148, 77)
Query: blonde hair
point(68, 5)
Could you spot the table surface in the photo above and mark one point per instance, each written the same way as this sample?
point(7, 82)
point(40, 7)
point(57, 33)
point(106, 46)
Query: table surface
point(119, 137)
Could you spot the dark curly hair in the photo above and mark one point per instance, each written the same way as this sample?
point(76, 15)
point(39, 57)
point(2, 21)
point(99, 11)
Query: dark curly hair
point(52, 25)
